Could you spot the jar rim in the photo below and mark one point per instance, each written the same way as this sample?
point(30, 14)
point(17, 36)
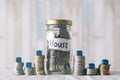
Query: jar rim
point(58, 21)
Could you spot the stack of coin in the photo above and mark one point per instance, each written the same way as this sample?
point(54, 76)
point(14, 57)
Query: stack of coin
point(29, 69)
point(79, 64)
point(92, 70)
point(39, 63)
point(104, 67)
point(18, 68)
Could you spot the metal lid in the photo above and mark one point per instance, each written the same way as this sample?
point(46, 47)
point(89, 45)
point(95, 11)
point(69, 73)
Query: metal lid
point(58, 21)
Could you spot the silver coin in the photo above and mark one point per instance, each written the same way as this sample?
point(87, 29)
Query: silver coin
point(91, 71)
point(79, 65)
point(29, 71)
point(19, 65)
point(18, 69)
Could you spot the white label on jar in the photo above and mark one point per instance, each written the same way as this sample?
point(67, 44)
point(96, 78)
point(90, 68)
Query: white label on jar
point(59, 44)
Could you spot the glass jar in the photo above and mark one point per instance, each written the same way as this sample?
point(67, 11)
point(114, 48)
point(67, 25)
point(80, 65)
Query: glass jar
point(59, 46)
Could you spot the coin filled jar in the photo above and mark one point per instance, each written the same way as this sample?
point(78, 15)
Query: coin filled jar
point(59, 46)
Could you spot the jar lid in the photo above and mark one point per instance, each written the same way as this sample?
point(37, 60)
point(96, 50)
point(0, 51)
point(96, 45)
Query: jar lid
point(58, 21)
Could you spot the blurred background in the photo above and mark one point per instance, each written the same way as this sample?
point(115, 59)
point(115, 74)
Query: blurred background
point(95, 29)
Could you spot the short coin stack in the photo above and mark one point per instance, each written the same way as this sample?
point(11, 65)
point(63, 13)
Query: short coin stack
point(39, 63)
point(104, 67)
point(91, 70)
point(29, 69)
point(18, 68)
point(79, 64)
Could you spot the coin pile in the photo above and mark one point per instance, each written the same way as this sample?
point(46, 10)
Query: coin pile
point(79, 64)
point(92, 70)
point(18, 68)
point(39, 63)
point(104, 67)
point(29, 69)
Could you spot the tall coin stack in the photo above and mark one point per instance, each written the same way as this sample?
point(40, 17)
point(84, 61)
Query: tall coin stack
point(39, 63)
point(29, 69)
point(104, 67)
point(79, 64)
point(18, 68)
